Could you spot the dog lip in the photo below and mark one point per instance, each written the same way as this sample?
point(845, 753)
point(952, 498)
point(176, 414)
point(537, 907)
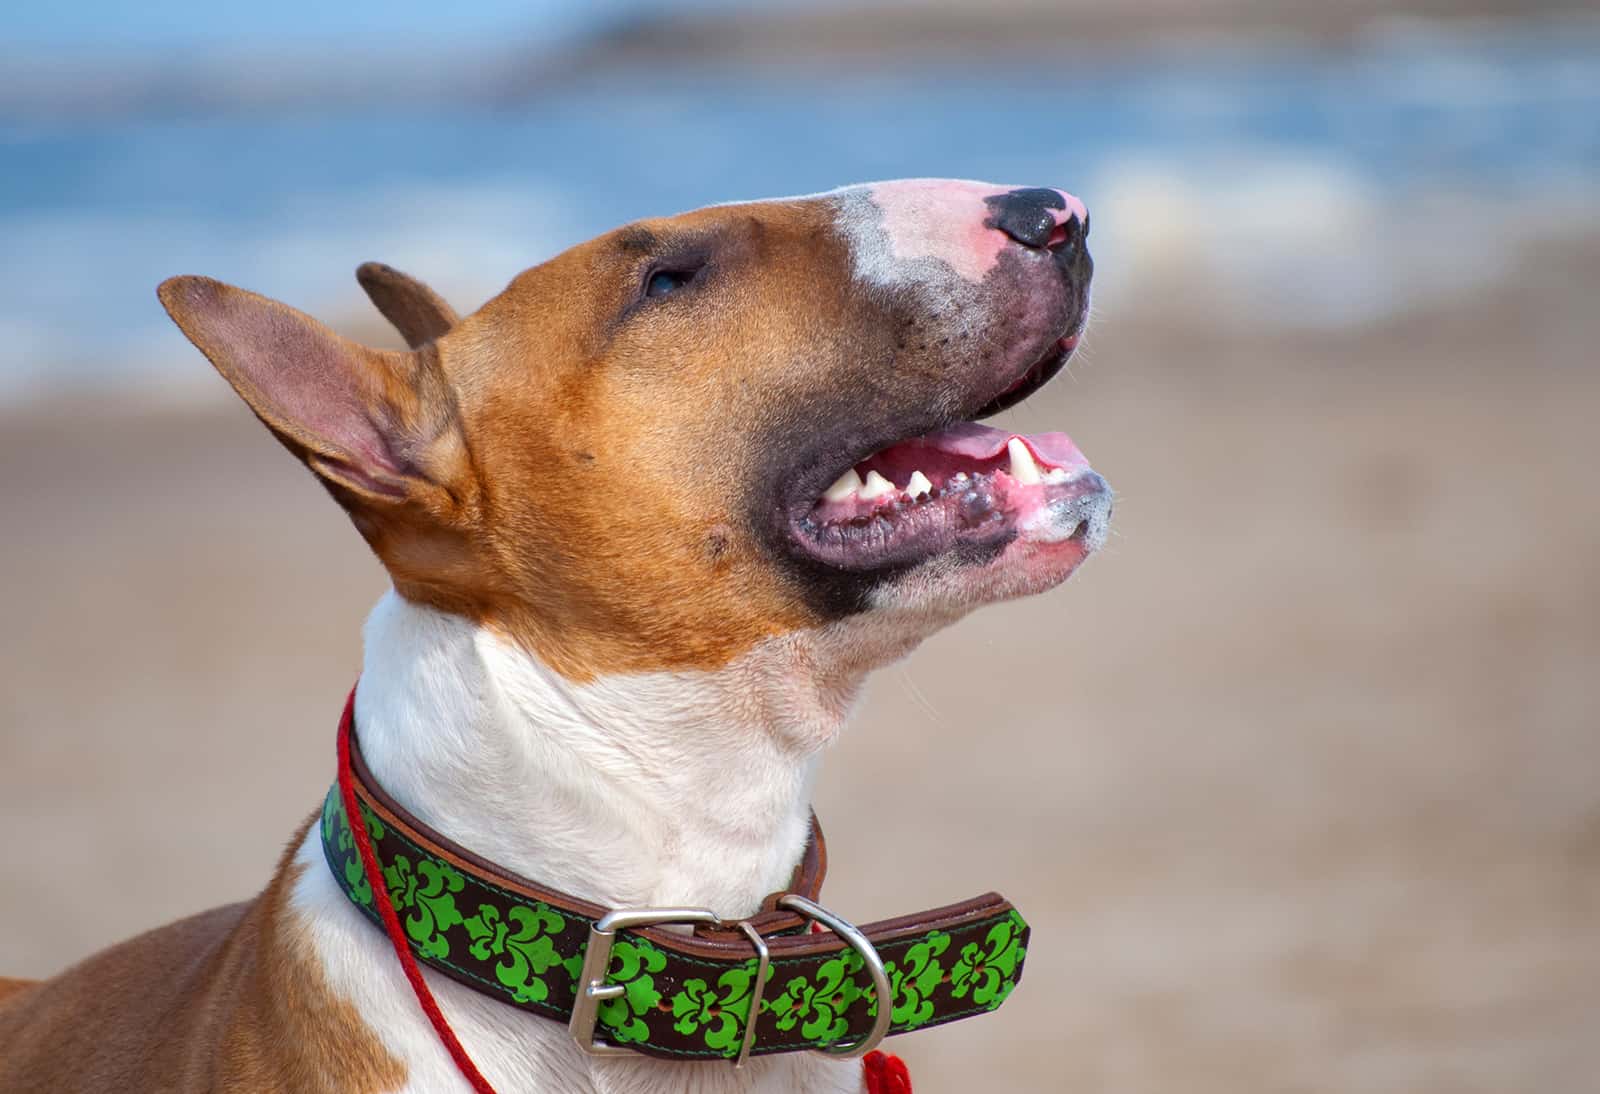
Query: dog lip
point(1034, 377)
point(904, 547)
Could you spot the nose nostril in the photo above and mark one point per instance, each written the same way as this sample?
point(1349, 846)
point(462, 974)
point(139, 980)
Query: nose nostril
point(1069, 234)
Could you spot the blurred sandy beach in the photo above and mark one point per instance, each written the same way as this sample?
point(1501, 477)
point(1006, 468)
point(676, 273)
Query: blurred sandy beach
point(1298, 782)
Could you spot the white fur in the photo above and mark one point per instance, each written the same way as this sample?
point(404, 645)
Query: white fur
point(664, 788)
point(896, 226)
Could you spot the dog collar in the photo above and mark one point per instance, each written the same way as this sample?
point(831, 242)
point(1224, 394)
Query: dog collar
point(773, 983)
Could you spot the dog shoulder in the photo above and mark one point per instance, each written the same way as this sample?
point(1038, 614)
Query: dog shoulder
point(103, 1024)
point(231, 999)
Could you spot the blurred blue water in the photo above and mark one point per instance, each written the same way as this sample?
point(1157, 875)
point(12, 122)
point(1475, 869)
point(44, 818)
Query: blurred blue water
point(93, 215)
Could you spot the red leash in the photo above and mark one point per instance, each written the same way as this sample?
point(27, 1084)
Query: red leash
point(885, 1074)
point(391, 919)
point(882, 1073)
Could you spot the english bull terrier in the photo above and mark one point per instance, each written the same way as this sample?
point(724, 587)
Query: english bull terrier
point(651, 515)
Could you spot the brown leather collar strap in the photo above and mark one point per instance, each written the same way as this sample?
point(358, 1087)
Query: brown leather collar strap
point(667, 992)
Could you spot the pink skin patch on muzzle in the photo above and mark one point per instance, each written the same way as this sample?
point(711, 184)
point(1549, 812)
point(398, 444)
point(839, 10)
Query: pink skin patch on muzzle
point(948, 219)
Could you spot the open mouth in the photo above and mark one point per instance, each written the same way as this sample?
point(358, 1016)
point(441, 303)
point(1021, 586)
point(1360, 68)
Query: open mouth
point(964, 485)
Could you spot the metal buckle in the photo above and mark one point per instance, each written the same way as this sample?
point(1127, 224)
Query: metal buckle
point(592, 986)
point(869, 954)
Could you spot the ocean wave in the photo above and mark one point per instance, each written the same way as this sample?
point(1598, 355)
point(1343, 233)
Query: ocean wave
point(1283, 188)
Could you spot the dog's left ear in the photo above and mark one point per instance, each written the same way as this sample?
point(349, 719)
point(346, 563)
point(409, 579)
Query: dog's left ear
point(380, 428)
point(417, 312)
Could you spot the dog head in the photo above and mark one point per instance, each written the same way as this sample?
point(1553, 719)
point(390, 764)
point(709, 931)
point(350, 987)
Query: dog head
point(692, 435)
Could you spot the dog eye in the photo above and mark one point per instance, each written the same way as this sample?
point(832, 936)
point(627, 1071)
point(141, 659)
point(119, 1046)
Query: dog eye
point(666, 282)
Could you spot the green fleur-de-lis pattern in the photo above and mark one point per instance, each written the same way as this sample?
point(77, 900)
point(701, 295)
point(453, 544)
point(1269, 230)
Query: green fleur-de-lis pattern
point(428, 892)
point(988, 971)
point(915, 978)
point(523, 940)
point(673, 1004)
point(717, 1012)
point(818, 1005)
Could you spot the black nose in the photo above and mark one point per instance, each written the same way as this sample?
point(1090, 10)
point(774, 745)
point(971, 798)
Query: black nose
point(1027, 217)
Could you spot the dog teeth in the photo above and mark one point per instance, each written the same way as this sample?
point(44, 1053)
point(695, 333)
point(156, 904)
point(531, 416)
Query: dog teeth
point(876, 487)
point(1023, 469)
point(847, 484)
point(917, 485)
point(1057, 475)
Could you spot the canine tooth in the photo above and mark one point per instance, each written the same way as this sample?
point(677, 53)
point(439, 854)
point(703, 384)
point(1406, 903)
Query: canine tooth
point(876, 486)
point(1023, 469)
point(918, 485)
point(847, 484)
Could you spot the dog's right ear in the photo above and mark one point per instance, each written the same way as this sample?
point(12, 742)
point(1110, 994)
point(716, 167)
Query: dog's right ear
point(417, 312)
point(380, 428)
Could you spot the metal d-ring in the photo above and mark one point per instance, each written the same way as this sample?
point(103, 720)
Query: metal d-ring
point(869, 954)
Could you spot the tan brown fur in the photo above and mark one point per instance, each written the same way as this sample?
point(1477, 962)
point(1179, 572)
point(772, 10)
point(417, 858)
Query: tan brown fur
point(640, 566)
point(417, 312)
point(537, 500)
point(229, 1000)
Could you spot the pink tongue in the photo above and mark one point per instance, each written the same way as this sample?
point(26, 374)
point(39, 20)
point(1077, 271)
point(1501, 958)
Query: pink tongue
point(980, 442)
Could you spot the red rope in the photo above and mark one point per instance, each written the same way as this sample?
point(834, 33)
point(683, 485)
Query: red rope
point(391, 919)
point(884, 1074)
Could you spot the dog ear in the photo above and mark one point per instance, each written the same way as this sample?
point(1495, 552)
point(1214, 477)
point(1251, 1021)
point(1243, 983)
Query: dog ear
point(417, 312)
point(380, 428)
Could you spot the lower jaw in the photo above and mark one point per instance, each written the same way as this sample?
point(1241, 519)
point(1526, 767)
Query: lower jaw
point(978, 523)
point(1018, 568)
point(901, 533)
point(863, 555)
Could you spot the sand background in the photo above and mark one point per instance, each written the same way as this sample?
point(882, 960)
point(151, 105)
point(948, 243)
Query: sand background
point(1297, 782)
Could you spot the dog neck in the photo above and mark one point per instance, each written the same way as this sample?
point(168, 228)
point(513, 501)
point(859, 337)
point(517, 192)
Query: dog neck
point(651, 789)
point(645, 789)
